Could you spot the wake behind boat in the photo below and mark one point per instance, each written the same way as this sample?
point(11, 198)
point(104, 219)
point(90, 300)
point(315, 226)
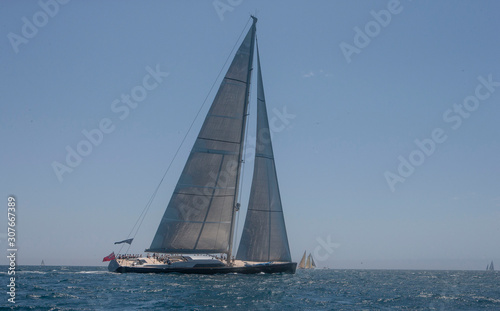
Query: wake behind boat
point(200, 216)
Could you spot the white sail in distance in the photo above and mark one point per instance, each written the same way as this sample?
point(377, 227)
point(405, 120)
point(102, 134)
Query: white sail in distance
point(302, 263)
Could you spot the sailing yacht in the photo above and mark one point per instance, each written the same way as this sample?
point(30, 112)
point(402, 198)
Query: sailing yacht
point(490, 267)
point(309, 264)
point(200, 216)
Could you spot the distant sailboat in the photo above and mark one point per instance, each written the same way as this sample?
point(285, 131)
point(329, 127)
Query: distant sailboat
point(42, 264)
point(302, 264)
point(309, 264)
point(490, 267)
point(200, 217)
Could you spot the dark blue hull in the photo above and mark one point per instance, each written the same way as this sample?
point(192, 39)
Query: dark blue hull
point(288, 267)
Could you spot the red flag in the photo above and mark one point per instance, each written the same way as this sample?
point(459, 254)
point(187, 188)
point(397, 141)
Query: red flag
point(109, 257)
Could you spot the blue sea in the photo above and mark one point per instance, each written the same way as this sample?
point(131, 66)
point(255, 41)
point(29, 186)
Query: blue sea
point(93, 288)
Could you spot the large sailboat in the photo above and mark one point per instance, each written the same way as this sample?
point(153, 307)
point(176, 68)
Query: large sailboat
point(196, 232)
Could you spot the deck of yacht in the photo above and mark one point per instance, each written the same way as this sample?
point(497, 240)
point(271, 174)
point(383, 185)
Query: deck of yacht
point(148, 261)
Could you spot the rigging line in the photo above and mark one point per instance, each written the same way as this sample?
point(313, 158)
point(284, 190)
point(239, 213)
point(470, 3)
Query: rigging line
point(148, 205)
point(143, 214)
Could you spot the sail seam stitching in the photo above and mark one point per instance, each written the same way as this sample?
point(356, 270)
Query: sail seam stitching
point(260, 155)
point(220, 140)
point(203, 195)
point(209, 205)
point(237, 80)
point(224, 117)
point(197, 222)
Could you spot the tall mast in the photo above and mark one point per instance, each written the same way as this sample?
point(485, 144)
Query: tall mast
point(240, 160)
point(264, 235)
point(199, 218)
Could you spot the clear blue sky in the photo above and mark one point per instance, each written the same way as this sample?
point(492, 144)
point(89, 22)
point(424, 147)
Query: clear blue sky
point(352, 123)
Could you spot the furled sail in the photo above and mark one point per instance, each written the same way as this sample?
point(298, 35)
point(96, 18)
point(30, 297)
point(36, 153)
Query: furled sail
point(199, 216)
point(264, 235)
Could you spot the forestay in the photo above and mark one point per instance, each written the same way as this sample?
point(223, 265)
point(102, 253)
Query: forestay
point(199, 216)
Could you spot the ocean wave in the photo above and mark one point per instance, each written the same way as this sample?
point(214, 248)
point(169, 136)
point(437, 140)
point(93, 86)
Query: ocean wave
point(92, 272)
point(92, 288)
point(30, 272)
